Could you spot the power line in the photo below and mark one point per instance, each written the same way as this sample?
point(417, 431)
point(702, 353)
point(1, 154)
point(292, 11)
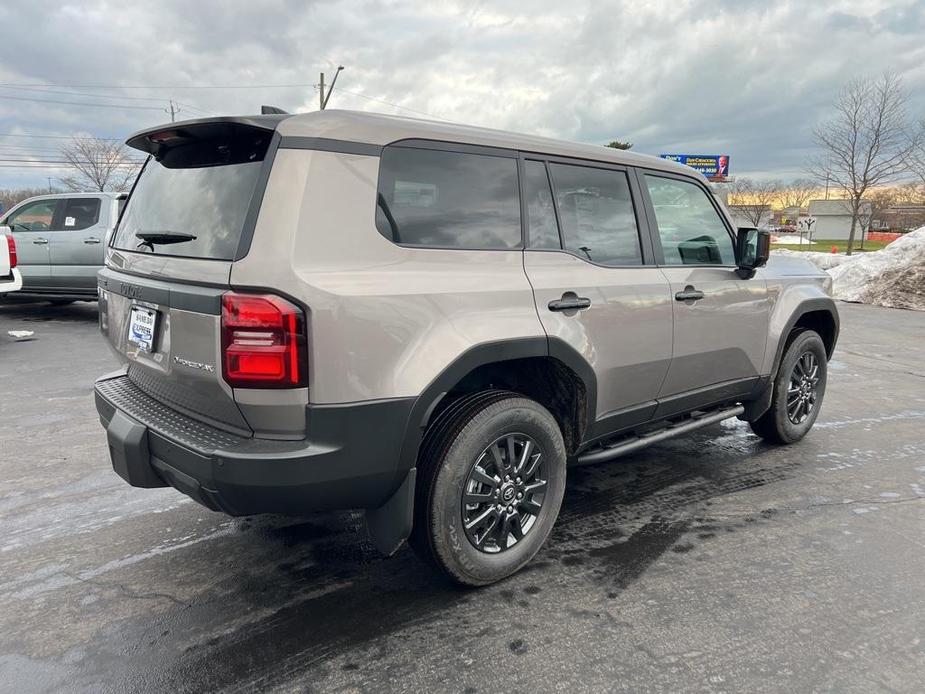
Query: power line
point(78, 103)
point(73, 93)
point(173, 86)
point(61, 137)
point(389, 103)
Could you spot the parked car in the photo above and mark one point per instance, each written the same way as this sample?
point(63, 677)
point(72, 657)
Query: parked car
point(10, 278)
point(61, 240)
point(429, 321)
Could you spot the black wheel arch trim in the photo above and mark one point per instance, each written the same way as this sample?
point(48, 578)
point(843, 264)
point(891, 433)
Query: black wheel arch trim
point(807, 306)
point(482, 355)
point(761, 399)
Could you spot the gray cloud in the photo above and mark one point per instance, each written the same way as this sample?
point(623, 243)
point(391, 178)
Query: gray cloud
point(744, 77)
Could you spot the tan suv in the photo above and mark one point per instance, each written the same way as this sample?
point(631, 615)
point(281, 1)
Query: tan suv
point(431, 322)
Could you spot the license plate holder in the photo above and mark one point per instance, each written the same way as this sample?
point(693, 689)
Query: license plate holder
point(142, 328)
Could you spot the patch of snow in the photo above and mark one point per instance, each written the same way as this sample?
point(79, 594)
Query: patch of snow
point(794, 240)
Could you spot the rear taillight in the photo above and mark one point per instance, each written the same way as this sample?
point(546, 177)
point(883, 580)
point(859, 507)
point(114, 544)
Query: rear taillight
point(11, 244)
point(263, 342)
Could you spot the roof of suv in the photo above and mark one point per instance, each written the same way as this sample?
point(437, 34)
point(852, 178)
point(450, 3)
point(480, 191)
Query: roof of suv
point(379, 129)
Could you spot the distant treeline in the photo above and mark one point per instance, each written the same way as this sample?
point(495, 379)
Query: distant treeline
point(9, 197)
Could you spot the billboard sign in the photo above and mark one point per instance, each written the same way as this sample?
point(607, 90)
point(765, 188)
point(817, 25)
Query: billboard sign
point(710, 165)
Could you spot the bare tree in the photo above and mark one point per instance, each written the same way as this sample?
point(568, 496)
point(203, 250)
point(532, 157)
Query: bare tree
point(98, 165)
point(868, 143)
point(753, 199)
point(797, 193)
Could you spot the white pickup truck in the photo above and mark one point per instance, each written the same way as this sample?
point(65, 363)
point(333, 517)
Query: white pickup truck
point(10, 279)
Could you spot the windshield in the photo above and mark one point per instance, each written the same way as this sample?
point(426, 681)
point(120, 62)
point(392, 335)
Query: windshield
point(190, 212)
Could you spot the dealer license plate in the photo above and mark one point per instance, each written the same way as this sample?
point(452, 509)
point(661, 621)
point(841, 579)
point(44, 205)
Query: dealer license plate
point(141, 328)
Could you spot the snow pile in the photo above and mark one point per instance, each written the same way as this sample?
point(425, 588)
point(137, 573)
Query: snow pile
point(893, 276)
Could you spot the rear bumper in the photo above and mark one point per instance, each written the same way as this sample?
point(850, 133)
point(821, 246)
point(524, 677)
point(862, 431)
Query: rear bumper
point(350, 458)
point(11, 282)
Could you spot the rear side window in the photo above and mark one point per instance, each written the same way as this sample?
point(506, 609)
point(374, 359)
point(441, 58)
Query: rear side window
point(80, 213)
point(596, 214)
point(448, 199)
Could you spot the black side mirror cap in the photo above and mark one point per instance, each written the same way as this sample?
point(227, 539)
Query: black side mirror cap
point(753, 248)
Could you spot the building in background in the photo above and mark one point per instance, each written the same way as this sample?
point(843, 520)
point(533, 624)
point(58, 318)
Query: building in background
point(833, 219)
point(903, 217)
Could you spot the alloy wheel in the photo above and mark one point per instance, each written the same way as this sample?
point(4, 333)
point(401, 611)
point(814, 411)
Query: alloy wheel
point(802, 390)
point(504, 493)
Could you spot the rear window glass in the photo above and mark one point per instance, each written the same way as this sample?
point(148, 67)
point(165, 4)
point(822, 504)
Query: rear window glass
point(448, 199)
point(596, 213)
point(208, 203)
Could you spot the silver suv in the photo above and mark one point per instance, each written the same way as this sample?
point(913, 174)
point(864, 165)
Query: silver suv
point(431, 322)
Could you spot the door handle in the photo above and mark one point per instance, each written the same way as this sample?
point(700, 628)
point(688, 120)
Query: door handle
point(39, 241)
point(689, 294)
point(91, 239)
point(569, 302)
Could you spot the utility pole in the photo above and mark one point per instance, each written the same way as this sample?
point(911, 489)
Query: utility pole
point(173, 110)
point(322, 97)
point(49, 183)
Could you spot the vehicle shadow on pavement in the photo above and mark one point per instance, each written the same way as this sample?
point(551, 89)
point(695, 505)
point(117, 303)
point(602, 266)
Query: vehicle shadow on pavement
point(42, 311)
point(320, 590)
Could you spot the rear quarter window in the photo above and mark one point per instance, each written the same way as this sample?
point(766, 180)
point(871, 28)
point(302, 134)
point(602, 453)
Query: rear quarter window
point(442, 199)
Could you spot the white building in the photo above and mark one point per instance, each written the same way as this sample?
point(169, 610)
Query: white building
point(833, 219)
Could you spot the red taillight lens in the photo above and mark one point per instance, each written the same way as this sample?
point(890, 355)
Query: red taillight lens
point(263, 342)
point(11, 244)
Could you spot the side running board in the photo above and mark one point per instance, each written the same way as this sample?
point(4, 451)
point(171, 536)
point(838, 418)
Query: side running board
point(634, 443)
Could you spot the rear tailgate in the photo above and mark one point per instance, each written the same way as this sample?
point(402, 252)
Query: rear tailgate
point(181, 367)
point(170, 258)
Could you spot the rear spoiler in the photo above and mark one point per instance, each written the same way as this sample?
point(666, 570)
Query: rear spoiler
point(158, 141)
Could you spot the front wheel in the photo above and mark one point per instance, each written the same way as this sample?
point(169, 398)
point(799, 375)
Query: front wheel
point(492, 477)
point(798, 391)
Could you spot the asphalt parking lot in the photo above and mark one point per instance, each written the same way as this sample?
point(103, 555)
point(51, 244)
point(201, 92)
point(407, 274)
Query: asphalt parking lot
point(710, 563)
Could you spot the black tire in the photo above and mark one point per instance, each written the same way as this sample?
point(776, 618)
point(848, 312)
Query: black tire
point(778, 424)
point(462, 435)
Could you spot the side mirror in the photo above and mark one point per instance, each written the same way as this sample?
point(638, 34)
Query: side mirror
point(753, 248)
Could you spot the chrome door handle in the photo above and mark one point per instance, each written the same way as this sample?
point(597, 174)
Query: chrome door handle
point(91, 239)
point(689, 294)
point(39, 241)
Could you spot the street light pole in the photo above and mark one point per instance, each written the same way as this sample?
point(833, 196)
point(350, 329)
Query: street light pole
point(325, 98)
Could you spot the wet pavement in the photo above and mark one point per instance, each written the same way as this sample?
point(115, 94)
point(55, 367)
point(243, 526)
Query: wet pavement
point(710, 563)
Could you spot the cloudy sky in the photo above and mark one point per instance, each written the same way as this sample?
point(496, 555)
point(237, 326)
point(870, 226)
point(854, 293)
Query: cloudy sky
point(743, 77)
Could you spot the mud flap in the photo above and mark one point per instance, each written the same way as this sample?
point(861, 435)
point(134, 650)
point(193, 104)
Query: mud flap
point(390, 524)
point(128, 449)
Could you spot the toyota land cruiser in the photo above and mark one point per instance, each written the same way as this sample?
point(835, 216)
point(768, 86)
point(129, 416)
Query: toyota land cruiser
point(431, 322)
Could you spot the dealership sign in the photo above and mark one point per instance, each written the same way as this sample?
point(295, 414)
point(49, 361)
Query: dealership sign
point(710, 165)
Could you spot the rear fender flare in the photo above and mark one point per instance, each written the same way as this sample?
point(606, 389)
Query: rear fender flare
point(481, 355)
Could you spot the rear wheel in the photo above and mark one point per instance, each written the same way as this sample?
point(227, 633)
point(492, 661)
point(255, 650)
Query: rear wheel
point(492, 477)
point(798, 391)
